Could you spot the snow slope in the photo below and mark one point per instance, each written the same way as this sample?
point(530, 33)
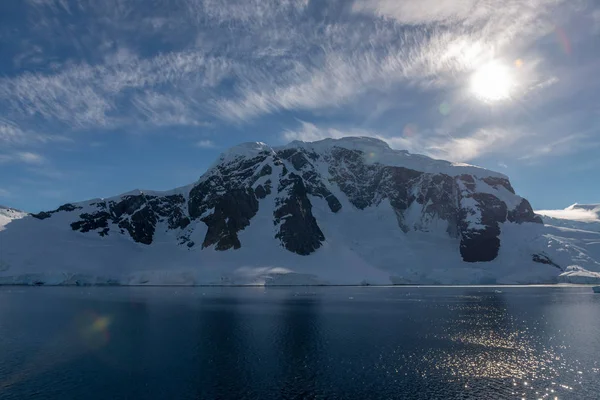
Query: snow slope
point(378, 151)
point(8, 214)
point(347, 211)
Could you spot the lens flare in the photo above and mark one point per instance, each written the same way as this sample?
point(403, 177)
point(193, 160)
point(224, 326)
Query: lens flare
point(410, 130)
point(94, 330)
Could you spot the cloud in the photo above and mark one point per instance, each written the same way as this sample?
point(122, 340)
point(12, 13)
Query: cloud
point(205, 144)
point(247, 59)
point(500, 19)
point(461, 36)
point(576, 212)
point(30, 158)
point(11, 134)
point(309, 132)
point(84, 96)
point(418, 12)
point(596, 21)
point(467, 148)
point(160, 109)
point(48, 172)
point(25, 157)
point(4, 193)
point(275, 54)
point(565, 145)
point(418, 58)
point(431, 143)
point(244, 11)
point(32, 56)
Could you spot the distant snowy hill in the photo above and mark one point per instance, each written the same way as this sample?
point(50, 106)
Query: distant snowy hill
point(577, 216)
point(8, 214)
point(345, 211)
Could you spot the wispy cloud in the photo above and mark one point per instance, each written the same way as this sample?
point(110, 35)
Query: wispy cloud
point(596, 21)
point(309, 132)
point(84, 95)
point(205, 144)
point(4, 193)
point(563, 145)
point(430, 143)
point(30, 158)
point(48, 172)
point(160, 109)
point(461, 37)
point(575, 212)
point(467, 148)
point(501, 20)
point(259, 46)
point(25, 157)
point(249, 59)
point(12, 134)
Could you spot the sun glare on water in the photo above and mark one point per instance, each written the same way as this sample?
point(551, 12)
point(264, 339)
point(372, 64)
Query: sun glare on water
point(492, 82)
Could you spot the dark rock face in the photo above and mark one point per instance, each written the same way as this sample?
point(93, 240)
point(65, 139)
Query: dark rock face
point(495, 182)
point(48, 214)
point(482, 243)
point(524, 213)
point(232, 213)
point(42, 215)
point(90, 222)
point(232, 200)
point(142, 225)
point(136, 214)
point(476, 246)
point(544, 259)
point(68, 207)
point(468, 181)
point(298, 232)
point(263, 191)
point(437, 196)
point(367, 185)
point(313, 181)
point(356, 179)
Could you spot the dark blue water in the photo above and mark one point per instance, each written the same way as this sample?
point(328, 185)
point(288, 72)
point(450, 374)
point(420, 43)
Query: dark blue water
point(299, 343)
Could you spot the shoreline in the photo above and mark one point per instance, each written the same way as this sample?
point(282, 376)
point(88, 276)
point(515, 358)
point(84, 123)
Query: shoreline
point(509, 285)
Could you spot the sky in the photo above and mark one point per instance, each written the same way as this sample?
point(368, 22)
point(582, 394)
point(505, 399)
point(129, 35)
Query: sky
point(101, 97)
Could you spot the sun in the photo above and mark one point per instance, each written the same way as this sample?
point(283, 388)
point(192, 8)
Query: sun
point(492, 82)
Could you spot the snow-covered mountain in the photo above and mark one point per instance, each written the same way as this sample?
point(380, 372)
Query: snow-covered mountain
point(345, 211)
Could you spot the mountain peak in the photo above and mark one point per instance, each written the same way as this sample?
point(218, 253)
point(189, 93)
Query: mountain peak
point(246, 150)
point(347, 142)
point(378, 151)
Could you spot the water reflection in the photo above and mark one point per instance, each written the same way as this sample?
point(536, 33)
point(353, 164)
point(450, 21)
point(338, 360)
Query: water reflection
point(220, 354)
point(350, 343)
point(299, 347)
